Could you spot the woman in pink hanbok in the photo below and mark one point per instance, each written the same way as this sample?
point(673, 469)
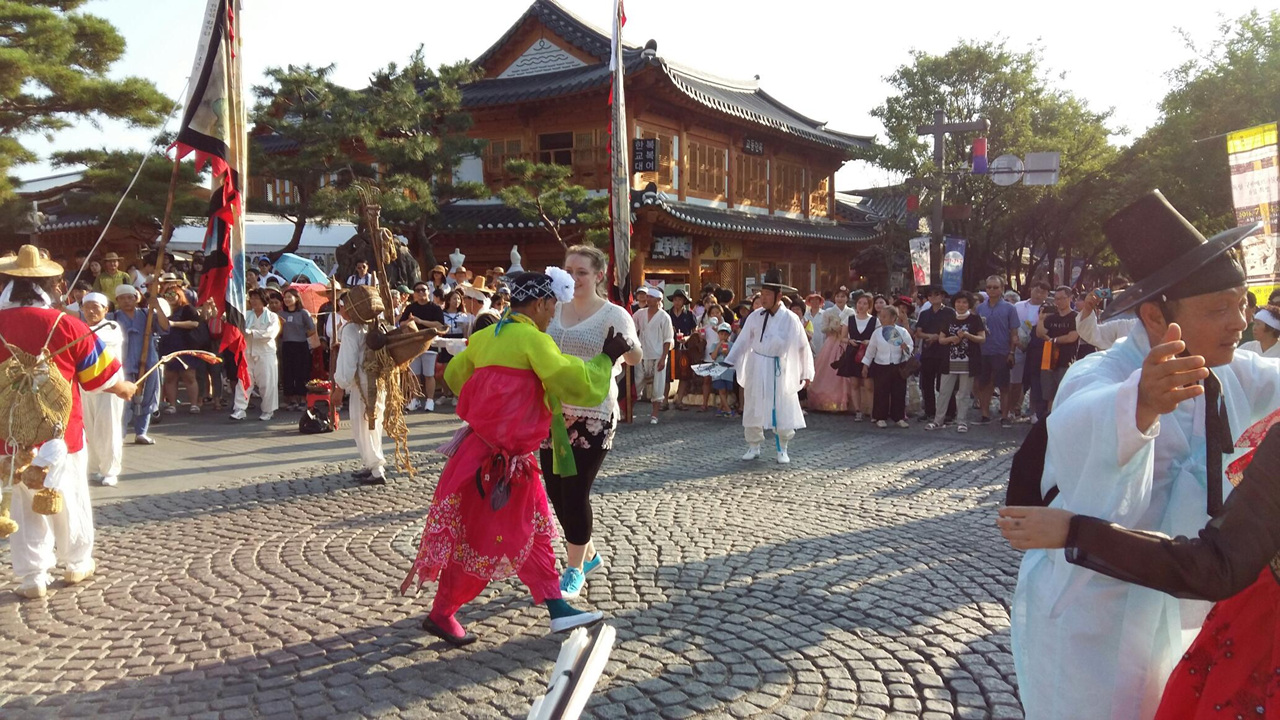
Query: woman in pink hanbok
point(829, 392)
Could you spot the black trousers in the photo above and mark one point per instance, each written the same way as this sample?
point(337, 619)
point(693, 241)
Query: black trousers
point(571, 496)
point(295, 367)
point(891, 393)
point(931, 371)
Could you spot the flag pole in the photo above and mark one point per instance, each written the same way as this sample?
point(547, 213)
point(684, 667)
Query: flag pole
point(166, 231)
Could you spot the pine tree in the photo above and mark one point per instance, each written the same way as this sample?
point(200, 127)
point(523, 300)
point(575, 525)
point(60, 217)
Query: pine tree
point(53, 72)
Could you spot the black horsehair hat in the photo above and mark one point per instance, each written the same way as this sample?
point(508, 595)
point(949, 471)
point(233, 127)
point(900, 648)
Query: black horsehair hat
point(772, 280)
point(1167, 257)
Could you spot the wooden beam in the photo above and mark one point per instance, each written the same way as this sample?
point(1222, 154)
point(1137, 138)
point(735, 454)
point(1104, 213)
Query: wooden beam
point(682, 179)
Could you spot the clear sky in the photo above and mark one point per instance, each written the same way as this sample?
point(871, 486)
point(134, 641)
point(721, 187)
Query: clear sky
point(825, 58)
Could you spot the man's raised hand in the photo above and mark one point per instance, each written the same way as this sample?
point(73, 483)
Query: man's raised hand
point(1168, 379)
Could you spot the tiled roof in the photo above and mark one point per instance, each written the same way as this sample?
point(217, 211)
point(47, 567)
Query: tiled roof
point(746, 100)
point(502, 91)
point(725, 220)
point(570, 27)
point(743, 100)
point(486, 216)
point(875, 204)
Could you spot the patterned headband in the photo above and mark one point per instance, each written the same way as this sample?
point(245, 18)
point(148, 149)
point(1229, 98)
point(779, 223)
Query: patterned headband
point(555, 283)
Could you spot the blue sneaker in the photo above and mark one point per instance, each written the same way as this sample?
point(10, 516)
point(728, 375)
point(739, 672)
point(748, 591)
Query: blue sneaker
point(571, 583)
point(592, 564)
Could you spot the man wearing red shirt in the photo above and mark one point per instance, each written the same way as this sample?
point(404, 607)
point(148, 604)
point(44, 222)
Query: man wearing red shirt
point(29, 323)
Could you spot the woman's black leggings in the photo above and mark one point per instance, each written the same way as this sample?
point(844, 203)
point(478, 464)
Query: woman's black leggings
point(571, 496)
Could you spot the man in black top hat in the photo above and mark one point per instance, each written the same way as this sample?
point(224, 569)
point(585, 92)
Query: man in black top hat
point(1139, 436)
point(774, 363)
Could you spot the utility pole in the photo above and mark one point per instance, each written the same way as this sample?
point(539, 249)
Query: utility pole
point(939, 130)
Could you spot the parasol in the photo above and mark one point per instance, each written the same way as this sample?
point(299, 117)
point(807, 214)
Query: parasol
point(291, 266)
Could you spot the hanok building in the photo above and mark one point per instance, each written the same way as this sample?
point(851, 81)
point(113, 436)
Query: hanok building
point(740, 183)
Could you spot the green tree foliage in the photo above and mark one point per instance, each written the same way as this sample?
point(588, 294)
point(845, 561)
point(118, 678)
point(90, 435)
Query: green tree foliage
point(545, 194)
point(108, 173)
point(1028, 114)
point(310, 123)
point(53, 71)
point(414, 127)
point(1232, 84)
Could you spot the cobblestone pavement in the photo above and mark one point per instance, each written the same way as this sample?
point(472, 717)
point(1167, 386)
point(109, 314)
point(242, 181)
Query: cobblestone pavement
point(864, 580)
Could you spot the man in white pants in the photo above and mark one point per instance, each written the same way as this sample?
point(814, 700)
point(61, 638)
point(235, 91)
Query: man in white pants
point(774, 362)
point(657, 336)
point(261, 328)
point(29, 323)
point(103, 412)
point(349, 373)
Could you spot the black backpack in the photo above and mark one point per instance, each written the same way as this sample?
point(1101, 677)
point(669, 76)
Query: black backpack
point(316, 419)
point(1027, 469)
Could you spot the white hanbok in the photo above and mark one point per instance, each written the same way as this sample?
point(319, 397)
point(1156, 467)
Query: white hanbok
point(260, 333)
point(349, 373)
point(771, 370)
point(104, 413)
point(1086, 645)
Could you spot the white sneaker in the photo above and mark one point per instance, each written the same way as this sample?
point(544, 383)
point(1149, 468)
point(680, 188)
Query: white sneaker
point(414, 404)
point(110, 480)
point(753, 452)
point(653, 420)
point(265, 416)
point(882, 424)
point(784, 458)
point(238, 415)
point(904, 424)
point(429, 404)
point(559, 625)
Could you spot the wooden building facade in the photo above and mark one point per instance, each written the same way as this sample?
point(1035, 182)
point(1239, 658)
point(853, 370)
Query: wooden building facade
point(740, 182)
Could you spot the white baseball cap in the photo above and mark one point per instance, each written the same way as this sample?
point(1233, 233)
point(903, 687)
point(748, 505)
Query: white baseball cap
point(653, 291)
point(123, 289)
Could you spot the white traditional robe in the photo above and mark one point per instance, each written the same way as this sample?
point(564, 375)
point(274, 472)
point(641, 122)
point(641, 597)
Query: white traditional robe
point(768, 384)
point(349, 373)
point(260, 333)
point(104, 412)
point(1084, 645)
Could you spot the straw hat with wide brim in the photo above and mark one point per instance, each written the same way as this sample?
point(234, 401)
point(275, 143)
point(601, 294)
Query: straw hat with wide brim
point(476, 290)
point(111, 256)
point(28, 264)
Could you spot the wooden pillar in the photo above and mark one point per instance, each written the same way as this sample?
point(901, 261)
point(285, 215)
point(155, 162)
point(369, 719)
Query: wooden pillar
point(730, 172)
point(772, 178)
point(695, 268)
point(682, 161)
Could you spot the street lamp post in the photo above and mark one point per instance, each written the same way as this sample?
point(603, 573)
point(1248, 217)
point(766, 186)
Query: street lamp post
point(939, 130)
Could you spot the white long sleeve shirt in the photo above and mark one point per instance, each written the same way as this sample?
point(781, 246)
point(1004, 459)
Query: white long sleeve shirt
point(891, 350)
point(654, 332)
point(1103, 335)
point(260, 333)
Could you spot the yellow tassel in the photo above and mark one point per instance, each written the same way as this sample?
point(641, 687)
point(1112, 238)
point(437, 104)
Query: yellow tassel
point(47, 502)
point(7, 524)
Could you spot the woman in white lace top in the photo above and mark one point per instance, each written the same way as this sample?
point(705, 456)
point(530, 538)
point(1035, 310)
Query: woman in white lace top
point(579, 328)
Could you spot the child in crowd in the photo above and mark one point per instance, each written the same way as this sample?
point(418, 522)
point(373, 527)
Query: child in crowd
point(727, 381)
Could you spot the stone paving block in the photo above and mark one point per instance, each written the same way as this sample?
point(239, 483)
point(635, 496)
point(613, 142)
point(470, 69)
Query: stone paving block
point(852, 583)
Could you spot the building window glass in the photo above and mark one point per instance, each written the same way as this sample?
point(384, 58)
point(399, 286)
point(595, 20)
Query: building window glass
point(751, 181)
point(818, 195)
point(555, 148)
point(790, 188)
point(707, 169)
